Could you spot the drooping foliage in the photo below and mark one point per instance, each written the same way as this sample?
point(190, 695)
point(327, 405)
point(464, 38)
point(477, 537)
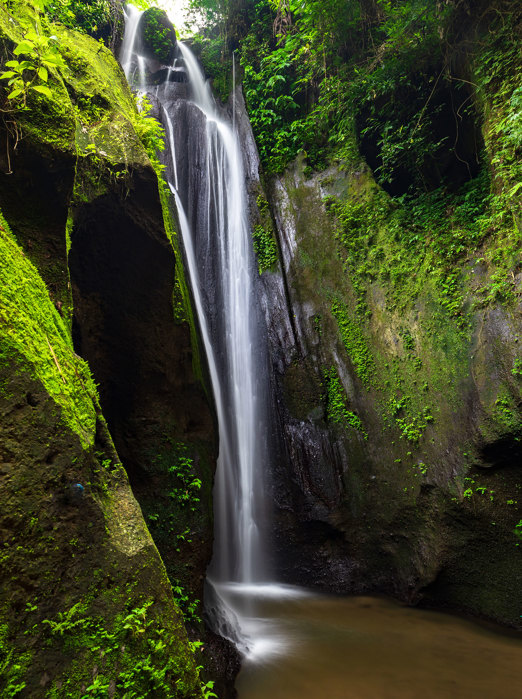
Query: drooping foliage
point(99, 18)
point(400, 72)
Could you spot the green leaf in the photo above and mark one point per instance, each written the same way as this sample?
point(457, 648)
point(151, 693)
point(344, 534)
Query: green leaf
point(43, 74)
point(32, 36)
point(53, 59)
point(514, 189)
point(43, 89)
point(15, 93)
point(7, 74)
point(24, 47)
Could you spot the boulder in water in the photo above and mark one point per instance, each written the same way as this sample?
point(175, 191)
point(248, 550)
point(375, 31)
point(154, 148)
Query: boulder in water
point(157, 36)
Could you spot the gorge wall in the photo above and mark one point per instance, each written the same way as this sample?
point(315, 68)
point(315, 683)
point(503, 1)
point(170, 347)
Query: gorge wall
point(91, 271)
point(395, 321)
point(401, 430)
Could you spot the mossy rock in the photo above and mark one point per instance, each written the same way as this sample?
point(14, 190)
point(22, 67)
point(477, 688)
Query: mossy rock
point(67, 506)
point(157, 36)
point(428, 506)
point(80, 563)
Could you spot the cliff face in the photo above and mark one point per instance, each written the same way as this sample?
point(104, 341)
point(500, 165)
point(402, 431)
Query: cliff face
point(401, 430)
point(395, 326)
point(90, 267)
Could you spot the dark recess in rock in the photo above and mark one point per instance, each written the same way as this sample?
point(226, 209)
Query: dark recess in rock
point(506, 451)
point(455, 135)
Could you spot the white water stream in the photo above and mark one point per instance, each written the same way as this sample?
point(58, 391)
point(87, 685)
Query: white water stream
point(205, 173)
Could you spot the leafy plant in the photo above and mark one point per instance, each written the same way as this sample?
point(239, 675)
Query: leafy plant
point(135, 621)
point(355, 344)
point(147, 666)
point(517, 531)
point(517, 367)
point(37, 55)
point(265, 248)
point(216, 60)
point(188, 606)
point(186, 492)
point(336, 410)
point(148, 129)
point(95, 17)
point(157, 34)
point(207, 690)
point(98, 688)
point(65, 622)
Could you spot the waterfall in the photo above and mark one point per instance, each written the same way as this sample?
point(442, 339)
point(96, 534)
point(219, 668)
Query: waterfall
point(226, 250)
point(205, 173)
point(127, 51)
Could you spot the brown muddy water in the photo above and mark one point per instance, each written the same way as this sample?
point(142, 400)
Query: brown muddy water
point(369, 648)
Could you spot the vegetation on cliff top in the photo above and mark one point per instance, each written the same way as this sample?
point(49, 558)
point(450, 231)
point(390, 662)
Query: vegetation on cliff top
point(429, 96)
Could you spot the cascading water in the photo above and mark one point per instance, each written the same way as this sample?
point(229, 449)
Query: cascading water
point(205, 173)
point(222, 251)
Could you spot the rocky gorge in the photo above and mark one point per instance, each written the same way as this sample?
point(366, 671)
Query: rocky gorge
point(393, 317)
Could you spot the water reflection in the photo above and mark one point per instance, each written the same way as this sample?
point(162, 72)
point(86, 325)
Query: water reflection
point(367, 648)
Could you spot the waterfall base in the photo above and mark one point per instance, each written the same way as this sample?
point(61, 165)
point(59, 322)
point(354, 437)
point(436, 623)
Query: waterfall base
point(232, 612)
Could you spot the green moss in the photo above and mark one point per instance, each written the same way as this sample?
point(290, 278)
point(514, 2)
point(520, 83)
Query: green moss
point(336, 410)
point(94, 80)
point(32, 328)
point(89, 104)
point(355, 344)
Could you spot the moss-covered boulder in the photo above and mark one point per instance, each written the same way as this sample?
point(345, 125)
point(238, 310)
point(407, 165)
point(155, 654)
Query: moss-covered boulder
point(157, 36)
